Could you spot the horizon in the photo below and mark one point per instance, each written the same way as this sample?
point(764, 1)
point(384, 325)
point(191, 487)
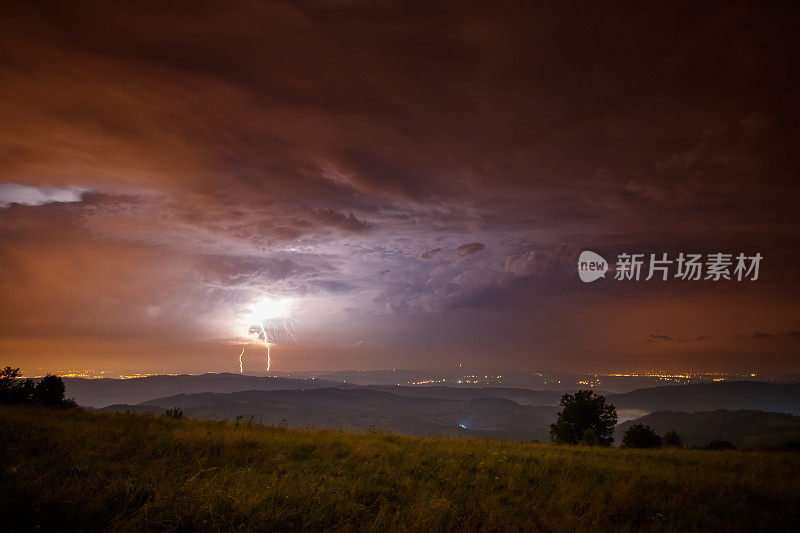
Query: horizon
point(483, 373)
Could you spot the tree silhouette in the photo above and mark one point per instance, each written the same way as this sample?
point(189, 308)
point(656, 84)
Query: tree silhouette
point(640, 436)
point(583, 411)
point(50, 391)
point(13, 389)
point(672, 439)
point(8, 376)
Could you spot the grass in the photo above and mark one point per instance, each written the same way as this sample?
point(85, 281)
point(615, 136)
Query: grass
point(69, 469)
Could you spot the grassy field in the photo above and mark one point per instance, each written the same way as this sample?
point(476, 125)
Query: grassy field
point(70, 469)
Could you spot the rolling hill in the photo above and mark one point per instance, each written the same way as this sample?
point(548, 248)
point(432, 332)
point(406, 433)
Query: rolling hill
point(517, 414)
point(102, 392)
point(363, 409)
point(746, 429)
point(753, 395)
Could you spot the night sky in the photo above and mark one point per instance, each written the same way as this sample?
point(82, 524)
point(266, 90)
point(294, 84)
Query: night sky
point(413, 180)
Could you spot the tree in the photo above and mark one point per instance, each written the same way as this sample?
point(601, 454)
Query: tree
point(581, 411)
point(672, 439)
point(50, 391)
point(640, 436)
point(13, 389)
point(23, 393)
point(8, 378)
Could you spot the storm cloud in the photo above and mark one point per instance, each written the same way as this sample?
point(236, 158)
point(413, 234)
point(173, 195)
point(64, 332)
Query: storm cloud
point(433, 166)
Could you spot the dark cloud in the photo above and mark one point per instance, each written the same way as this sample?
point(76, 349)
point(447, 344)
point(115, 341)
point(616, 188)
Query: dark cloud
point(469, 248)
point(550, 259)
point(756, 336)
point(346, 222)
point(331, 286)
point(429, 254)
point(652, 338)
point(251, 271)
point(192, 159)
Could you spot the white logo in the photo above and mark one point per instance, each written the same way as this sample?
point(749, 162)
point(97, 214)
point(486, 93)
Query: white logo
point(690, 266)
point(591, 266)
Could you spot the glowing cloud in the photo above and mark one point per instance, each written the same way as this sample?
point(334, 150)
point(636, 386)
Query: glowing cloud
point(12, 193)
point(266, 319)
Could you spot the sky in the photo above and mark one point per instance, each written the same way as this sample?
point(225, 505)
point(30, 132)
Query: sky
point(413, 181)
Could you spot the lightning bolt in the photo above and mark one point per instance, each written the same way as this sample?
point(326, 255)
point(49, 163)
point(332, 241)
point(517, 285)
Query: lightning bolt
point(267, 319)
point(264, 327)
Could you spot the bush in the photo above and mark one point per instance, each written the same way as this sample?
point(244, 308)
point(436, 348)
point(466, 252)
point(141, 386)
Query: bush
point(175, 412)
point(791, 445)
point(584, 411)
point(672, 439)
point(640, 436)
point(720, 444)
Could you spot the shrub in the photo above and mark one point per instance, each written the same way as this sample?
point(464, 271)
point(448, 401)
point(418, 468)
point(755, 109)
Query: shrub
point(672, 439)
point(791, 445)
point(175, 412)
point(720, 444)
point(640, 436)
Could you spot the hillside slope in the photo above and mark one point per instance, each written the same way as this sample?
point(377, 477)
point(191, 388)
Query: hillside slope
point(73, 470)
